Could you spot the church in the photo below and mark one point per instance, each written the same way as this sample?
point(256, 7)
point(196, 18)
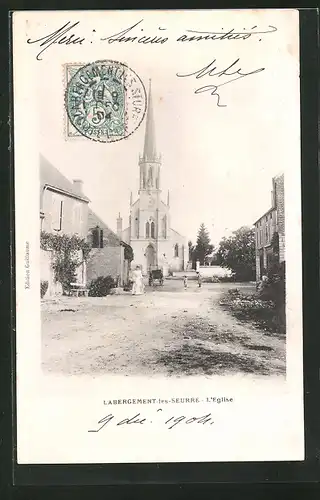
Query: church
point(154, 242)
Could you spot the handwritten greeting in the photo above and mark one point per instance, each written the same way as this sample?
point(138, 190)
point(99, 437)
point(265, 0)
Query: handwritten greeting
point(135, 34)
point(66, 35)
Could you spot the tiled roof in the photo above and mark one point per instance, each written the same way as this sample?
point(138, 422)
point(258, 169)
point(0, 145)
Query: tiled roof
point(51, 176)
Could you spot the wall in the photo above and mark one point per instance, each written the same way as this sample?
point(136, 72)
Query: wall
point(279, 201)
point(265, 228)
point(74, 214)
point(218, 271)
point(73, 221)
point(104, 262)
point(46, 271)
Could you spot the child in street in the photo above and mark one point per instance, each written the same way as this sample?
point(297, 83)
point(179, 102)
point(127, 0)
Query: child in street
point(185, 282)
point(199, 279)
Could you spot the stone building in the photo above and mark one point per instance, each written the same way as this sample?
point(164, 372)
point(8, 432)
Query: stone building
point(63, 210)
point(154, 242)
point(270, 230)
point(109, 256)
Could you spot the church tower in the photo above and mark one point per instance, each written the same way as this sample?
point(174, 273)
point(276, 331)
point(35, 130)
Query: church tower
point(148, 214)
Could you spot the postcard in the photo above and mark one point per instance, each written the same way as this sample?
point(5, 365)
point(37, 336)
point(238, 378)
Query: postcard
point(158, 236)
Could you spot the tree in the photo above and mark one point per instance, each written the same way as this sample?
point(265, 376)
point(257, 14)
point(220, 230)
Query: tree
point(191, 250)
point(237, 253)
point(203, 246)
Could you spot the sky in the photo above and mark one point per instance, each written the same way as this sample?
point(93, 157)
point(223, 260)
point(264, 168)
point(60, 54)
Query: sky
point(217, 162)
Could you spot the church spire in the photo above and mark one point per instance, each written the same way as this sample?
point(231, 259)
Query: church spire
point(149, 150)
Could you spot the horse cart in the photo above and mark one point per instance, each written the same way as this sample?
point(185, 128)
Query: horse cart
point(156, 277)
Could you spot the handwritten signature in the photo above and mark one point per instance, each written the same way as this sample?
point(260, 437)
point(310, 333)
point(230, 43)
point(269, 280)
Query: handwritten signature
point(234, 70)
point(138, 419)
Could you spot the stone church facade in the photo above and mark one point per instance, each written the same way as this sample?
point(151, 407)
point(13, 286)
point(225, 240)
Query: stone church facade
point(154, 242)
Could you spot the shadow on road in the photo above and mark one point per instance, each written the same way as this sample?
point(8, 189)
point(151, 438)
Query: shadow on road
point(191, 360)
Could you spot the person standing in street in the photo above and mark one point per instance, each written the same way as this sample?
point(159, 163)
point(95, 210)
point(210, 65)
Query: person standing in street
point(199, 277)
point(138, 285)
point(185, 282)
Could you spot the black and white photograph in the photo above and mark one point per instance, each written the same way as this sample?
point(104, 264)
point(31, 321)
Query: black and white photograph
point(134, 296)
point(158, 236)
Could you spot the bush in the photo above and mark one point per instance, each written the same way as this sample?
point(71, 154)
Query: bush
point(43, 288)
point(101, 286)
point(274, 287)
point(215, 279)
point(262, 313)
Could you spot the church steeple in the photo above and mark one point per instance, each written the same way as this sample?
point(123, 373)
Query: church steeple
point(149, 150)
point(150, 161)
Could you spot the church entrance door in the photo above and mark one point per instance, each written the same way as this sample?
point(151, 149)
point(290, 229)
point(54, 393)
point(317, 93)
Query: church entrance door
point(151, 257)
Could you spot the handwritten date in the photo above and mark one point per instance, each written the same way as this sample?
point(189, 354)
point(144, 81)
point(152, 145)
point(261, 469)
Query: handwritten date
point(138, 419)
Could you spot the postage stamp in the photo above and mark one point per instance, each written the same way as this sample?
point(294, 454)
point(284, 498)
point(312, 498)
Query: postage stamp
point(105, 101)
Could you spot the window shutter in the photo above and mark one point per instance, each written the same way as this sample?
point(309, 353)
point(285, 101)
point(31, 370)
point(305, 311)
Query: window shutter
point(101, 238)
point(96, 237)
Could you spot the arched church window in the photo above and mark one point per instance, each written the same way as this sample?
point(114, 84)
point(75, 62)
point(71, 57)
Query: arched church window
point(176, 250)
point(147, 230)
point(164, 227)
point(153, 232)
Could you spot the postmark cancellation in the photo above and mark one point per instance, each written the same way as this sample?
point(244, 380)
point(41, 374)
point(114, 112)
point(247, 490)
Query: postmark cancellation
point(105, 101)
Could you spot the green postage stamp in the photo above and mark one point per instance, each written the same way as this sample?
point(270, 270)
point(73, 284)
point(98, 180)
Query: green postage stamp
point(105, 101)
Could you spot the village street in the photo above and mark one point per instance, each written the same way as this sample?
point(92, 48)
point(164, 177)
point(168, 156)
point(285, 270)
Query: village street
point(168, 331)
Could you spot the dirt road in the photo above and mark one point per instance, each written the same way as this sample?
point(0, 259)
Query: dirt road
point(168, 331)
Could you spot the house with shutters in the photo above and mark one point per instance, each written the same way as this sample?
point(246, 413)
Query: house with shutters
point(63, 210)
point(109, 256)
point(270, 231)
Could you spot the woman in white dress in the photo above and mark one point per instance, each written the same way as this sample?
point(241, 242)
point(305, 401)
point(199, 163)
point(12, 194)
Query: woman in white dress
point(137, 278)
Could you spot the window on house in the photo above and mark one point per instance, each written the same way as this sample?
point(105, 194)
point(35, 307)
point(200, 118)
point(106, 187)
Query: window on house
point(176, 250)
point(267, 234)
point(147, 230)
point(57, 214)
point(152, 230)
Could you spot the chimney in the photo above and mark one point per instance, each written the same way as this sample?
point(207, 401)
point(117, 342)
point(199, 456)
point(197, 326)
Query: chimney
point(78, 184)
point(119, 226)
